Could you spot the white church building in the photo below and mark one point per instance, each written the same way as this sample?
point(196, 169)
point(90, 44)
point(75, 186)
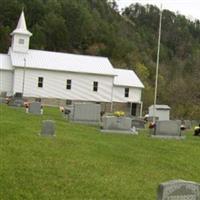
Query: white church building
point(62, 78)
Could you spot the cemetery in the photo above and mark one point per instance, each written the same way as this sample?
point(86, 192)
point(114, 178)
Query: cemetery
point(71, 108)
point(47, 151)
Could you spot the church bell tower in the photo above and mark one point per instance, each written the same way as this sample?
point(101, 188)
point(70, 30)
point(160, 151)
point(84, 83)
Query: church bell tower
point(21, 36)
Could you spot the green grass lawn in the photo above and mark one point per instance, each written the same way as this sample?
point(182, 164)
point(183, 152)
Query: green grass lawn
point(82, 163)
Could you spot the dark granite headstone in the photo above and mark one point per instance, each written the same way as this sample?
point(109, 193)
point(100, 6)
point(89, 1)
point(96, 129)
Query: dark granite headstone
point(35, 108)
point(48, 128)
point(178, 190)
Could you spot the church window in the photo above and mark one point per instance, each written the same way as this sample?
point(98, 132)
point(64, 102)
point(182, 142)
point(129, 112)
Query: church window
point(126, 92)
point(69, 84)
point(95, 86)
point(40, 82)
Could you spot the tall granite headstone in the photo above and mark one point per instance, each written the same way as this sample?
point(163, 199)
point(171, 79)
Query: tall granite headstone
point(48, 128)
point(178, 190)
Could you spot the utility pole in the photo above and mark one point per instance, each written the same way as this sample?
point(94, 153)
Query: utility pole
point(23, 77)
point(157, 67)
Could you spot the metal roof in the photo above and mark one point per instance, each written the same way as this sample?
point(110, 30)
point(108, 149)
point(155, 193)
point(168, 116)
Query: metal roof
point(21, 26)
point(47, 60)
point(127, 78)
point(5, 62)
point(161, 107)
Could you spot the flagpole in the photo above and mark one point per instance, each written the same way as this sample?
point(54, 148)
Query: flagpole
point(157, 67)
point(23, 81)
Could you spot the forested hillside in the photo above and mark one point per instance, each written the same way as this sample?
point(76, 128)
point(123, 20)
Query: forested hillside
point(129, 39)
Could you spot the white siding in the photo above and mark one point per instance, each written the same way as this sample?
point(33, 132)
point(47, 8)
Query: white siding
point(161, 114)
point(134, 94)
point(54, 85)
point(20, 47)
point(6, 81)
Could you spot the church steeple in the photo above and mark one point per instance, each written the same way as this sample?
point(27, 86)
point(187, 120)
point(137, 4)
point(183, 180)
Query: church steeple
point(21, 36)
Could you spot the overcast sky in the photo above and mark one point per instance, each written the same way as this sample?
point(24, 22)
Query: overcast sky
point(189, 8)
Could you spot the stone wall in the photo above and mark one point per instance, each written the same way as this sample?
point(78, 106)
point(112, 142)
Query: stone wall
point(105, 106)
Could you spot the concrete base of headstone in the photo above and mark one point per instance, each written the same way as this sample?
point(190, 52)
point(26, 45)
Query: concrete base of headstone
point(48, 128)
point(168, 137)
point(130, 132)
point(178, 189)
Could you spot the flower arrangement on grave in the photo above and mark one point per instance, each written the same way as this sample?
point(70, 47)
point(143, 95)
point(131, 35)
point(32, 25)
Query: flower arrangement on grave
point(119, 113)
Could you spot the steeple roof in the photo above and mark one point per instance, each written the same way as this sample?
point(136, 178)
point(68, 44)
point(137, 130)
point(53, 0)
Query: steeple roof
point(21, 26)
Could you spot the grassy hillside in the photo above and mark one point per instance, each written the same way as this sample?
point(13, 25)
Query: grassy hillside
point(82, 163)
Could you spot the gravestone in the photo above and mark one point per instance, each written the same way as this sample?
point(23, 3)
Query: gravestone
point(85, 112)
point(35, 108)
point(116, 123)
point(48, 128)
point(16, 102)
point(113, 124)
point(138, 123)
point(178, 190)
point(18, 95)
point(168, 129)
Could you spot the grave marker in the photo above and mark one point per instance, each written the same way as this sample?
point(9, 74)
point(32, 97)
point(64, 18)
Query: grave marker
point(85, 112)
point(178, 190)
point(168, 129)
point(35, 108)
point(117, 125)
point(48, 128)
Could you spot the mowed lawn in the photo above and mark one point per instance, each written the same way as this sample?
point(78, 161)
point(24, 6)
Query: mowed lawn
point(82, 163)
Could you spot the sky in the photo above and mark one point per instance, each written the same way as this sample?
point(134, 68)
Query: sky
point(189, 8)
